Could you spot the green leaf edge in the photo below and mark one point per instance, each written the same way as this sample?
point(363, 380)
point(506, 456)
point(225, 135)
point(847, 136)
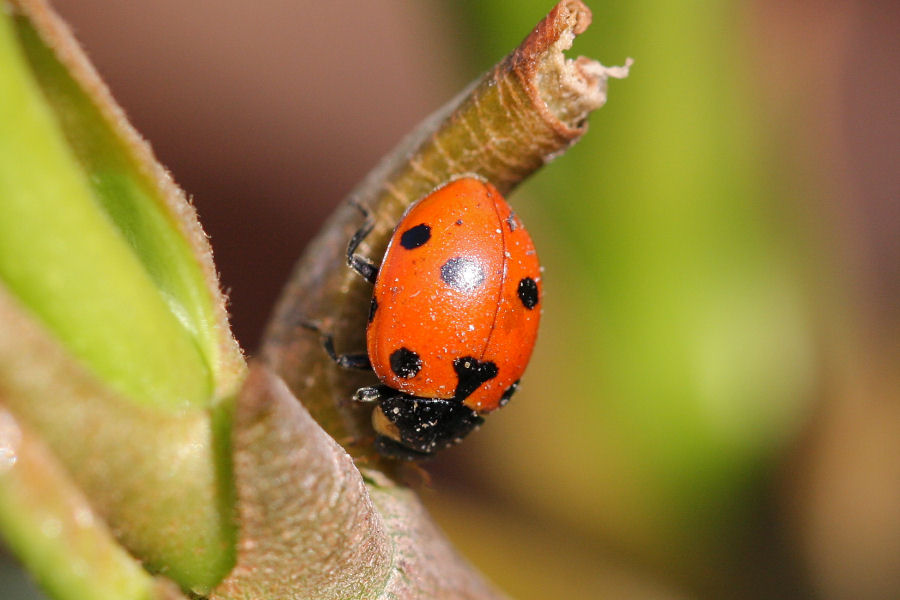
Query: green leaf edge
point(85, 241)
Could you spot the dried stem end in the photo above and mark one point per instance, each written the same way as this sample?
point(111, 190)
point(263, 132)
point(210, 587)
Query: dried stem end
point(573, 88)
point(570, 89)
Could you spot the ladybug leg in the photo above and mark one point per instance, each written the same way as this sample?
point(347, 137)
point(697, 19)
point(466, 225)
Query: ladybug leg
point(347, 361)
point(367, 395)
point(362, 265)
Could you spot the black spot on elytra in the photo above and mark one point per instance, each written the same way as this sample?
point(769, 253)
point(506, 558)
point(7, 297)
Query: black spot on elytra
point(415, 236)
point(462, 274)
point(459, 221)
point(405, 363)
point(373, 306)
point(504, 399)
point(528, 292)
point(471, 373)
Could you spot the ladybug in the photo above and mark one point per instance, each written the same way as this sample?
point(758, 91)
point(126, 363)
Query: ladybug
point(453, 317)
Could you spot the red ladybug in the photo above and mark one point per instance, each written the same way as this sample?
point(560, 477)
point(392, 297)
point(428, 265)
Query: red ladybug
point(453, 317)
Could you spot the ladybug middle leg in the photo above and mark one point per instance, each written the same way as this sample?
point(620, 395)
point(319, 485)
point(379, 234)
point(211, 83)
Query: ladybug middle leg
point(367, 269)
point(364, 395)
point(348, 361)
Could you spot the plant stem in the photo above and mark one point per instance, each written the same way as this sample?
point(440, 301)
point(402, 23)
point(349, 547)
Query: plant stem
point(522, 114)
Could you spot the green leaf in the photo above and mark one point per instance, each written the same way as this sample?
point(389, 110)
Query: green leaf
point(85, 243)
point(110, 311)
point(54, 530)
point(160, 480)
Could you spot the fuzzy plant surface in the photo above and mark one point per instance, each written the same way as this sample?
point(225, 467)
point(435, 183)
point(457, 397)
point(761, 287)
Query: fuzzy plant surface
point(141, 456)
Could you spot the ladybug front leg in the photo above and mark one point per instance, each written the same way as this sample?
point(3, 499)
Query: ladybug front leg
point(362, 265)
point(370, 394)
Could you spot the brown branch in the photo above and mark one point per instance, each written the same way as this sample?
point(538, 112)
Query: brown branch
point(310, 527)
point(527, 110)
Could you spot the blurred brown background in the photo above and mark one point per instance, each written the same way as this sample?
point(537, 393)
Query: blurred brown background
point(268, 113)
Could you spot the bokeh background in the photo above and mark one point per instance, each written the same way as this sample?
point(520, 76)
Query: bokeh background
point(713, 407)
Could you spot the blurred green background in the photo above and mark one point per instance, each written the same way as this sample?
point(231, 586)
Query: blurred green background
point(713, 407)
